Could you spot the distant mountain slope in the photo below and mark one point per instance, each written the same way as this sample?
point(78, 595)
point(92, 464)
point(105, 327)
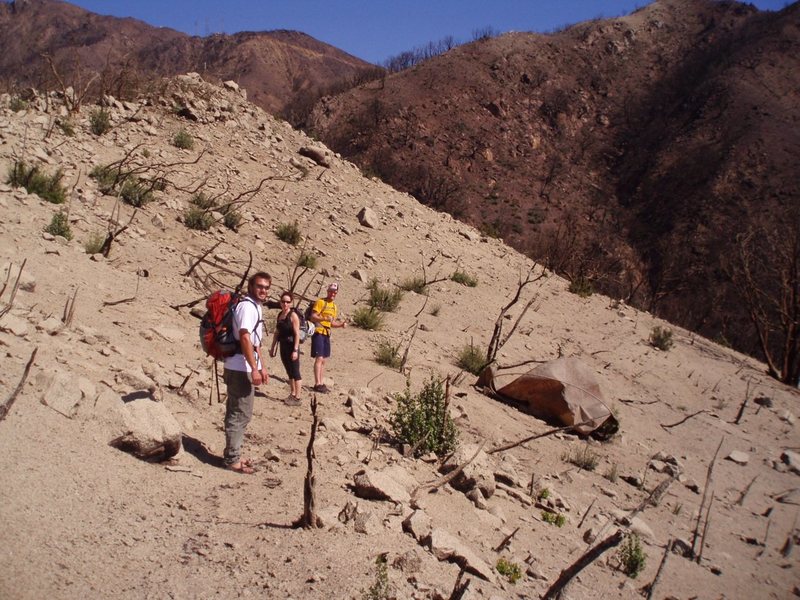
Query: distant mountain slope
point(629, 152)
point(272, 66)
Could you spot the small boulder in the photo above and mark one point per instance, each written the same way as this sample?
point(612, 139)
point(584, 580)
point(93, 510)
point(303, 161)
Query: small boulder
point(318, 155)
point(418, 524)
point(150, 430)
point(739, 457)
point(368, 218)
point(445, 546)
point(376, 485)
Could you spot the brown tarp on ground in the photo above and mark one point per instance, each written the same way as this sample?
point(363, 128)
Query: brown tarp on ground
point(564, 389)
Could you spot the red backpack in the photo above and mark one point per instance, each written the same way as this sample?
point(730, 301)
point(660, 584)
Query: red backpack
point(216, 327)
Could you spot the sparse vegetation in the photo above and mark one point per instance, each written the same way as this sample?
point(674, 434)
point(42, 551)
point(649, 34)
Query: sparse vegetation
point(464, 278)
point(510, 570)
point(17, 104)
point(384, 298)
point(557, 519)
point(471, 359)
point(133, 190)
point(631, 556)
point(198, 219)
point(661, 338)
point(59, 225)
point(612, 474)
point(368, 318)
point(387, 354)
point(66, 127)
point(435, 310)
point(416, 284)
point(543, 494)
point(200, 200)
point(136, 192)
point(100, 121)
point(47, 187)
point(307, 260)
point(581, 286)
point(380, 589)
point(585, 458)
point(421, 421)
point(94, 244)
point(183, 140)
point(289, 233)
point(232, 219)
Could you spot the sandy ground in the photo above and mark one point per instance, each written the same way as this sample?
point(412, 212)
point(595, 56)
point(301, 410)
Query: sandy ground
point(83, 519)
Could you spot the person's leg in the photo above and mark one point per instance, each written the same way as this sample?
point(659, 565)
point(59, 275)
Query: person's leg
point(238, 412)
point(319, 370)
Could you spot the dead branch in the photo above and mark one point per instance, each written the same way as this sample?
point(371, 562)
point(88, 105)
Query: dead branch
point(112, 234)
point(437, 483)
point(536, 437)
point(523, 363)
point(650, 589)
point(6, 406)
point(69, 309)
point(124, 300)
point(584, 561)
point(460, 588)
point(699, 412)
point(199, 260)
point(705, 529)
point(709, 473)
point(745, 491)
point(586, 514)
point(506, 541)
point(310, 520)
point(743, 405)
point(405, 359)
point(14, 289)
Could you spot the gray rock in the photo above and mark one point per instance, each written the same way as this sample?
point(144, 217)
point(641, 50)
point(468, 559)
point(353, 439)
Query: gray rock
point(360, 274)
point(791, 460)
point(318, 155)
point(150, 430)
point(476, 497)
point(418, 524)
point(445, 546)
point(366, 522)
point(408, 562)
point(376, 485)
point(62, 392)
point(367, 218)
point(479, 473)
point(739, 457)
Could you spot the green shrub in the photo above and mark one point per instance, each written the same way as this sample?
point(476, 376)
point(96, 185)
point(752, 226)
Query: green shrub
point(661, 338)
point(59, 225)
point(471, 359)
point(631, 556)
point(136, 192)
point(200, 200)
point(307, 260)
point(95, 243)
point(17, 104)
point(381, 589)
point(47, 187)
point(100, 121)
point(368, 318)
point(232, 220)
point(198, 219)
point(509, 570)
point(582, 287)
point(66, 127)
point(585, 458)
point(464, 278)
point(543, 494)
point(384, 298)
point(415, 284)
point(289, 233)
point(183, 140)
point(387, 355)
point(107, 178)
point(556, 519)
point(421, 421)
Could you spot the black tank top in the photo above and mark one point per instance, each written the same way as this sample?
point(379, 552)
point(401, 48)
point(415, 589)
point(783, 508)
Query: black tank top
point(285, 329)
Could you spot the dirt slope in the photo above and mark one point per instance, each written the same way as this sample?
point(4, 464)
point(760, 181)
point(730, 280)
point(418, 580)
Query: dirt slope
point(82, 519)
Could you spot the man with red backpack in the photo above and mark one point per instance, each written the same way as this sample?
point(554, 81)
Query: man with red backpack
point(244, 371)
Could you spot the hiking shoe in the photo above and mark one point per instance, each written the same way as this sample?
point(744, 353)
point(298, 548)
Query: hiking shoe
point(292, 401)
point(321, 388)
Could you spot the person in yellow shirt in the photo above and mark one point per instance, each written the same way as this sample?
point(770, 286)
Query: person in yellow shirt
point(324, 315)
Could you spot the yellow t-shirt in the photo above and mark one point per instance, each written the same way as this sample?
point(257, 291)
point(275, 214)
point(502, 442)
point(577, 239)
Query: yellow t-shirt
point(326, 310)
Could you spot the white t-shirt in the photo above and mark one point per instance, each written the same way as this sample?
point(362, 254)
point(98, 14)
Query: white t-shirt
point(246, 315)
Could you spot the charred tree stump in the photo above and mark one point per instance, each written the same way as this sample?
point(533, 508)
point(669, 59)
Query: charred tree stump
point(310, 520)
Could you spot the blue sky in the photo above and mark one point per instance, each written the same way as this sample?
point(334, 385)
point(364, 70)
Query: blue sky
point(372, 30)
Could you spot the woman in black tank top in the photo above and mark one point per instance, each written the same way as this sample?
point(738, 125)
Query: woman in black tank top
point(287, 338)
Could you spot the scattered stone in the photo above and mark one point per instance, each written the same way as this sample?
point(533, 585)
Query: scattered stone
point(789, 497)
point(681, 547)
point(445, 546)
point(376, 485)
point(150, 430)
point(791, 460)
point(367, 218)
point(361, 275)
point(479, 473)
point(788, 417)
point(318, 155)
point(62, 392)
point(739, 457)
point(365, 522)
point(418, 524)
point(14, 325)
point(408, 562)
point(476, 497)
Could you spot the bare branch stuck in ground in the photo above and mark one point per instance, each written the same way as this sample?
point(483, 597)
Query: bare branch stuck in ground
point(6, 406)
point(584, 561)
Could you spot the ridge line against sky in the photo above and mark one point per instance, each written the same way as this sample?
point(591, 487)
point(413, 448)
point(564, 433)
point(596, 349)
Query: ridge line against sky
point(372, 30)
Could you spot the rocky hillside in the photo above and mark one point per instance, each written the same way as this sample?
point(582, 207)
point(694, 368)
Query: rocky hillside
point(97, 349)
point(627, 153)
point(121, 56)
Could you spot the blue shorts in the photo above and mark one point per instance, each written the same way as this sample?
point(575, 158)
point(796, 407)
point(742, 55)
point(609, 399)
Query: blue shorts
point(320, 345)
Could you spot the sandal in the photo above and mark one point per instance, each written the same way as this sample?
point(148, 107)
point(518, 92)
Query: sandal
point(241, 467)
